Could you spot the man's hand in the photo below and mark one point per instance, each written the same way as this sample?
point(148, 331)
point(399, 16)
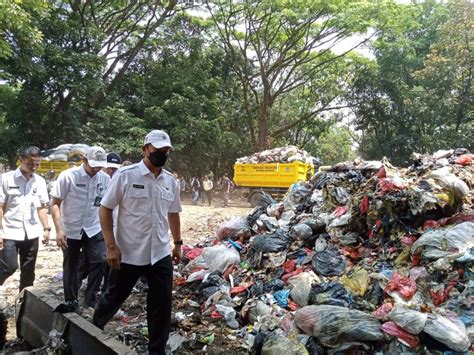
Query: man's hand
point(176, 254)
point(113, 256)
point(61, 240)
point(46, 237)
point(1, 242)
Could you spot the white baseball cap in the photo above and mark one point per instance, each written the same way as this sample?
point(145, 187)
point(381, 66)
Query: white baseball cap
point(157, 138)
point(96, 157)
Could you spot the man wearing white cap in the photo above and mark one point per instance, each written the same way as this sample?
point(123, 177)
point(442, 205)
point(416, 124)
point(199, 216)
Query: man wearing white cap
point(76, 201)
point(149, 204)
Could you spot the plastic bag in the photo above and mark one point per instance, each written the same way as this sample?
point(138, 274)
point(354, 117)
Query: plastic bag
point(408, 319)
point(229, 315)
point(301, 232)
point(405, 286)
point(277, 345)
point(232, 228)
point(216, 258)
point(282, 297)
point(453, 334)
point(270, 242)
point(334, 325)
point(301, 287)
point(330, 293)
point(357, 282)
point(450, 181)
point(328, 262)
point(449, 241)
point(402, 335)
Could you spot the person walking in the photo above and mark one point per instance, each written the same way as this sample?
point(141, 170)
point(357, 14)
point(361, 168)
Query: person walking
point(23, 217)
point(226, 186)
point(208, 187)
point(195, 188)
point(76, 201)
point(149, 204)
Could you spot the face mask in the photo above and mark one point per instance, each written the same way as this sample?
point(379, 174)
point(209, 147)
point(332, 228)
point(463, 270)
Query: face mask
point(158, 159)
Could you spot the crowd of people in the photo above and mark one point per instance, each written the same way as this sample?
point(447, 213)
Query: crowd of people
point(204, 190)
point(111, 223)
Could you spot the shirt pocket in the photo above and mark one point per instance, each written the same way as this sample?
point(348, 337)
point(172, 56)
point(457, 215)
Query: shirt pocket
point(14, 197)
point(167, 197)
point(137, 200)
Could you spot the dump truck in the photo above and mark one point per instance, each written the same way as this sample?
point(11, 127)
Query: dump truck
point(271, 178)
point(55, 166)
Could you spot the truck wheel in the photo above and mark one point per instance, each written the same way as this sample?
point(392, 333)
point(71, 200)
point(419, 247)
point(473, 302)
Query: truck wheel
point(255, 199)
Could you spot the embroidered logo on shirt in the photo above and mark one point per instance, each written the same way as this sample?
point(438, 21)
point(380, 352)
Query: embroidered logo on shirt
point(81, 185)
point(13, 187)
point(136, 186)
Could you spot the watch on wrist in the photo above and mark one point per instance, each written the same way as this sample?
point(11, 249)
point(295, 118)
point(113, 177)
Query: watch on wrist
point(47, 229)
point(178, 242)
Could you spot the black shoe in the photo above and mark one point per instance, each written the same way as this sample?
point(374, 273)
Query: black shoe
point(67, 307)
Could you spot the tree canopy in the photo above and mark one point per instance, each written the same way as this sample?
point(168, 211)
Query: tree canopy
point(232, 77)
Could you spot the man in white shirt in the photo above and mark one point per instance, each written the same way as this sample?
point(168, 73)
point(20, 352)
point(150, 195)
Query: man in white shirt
point(149, 204)
point(207, 186)
point(76, 200)
point(23, 217)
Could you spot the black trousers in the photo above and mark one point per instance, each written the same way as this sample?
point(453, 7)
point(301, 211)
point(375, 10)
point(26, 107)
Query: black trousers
point(94, 252)
point(27, 250)
point(160, 282)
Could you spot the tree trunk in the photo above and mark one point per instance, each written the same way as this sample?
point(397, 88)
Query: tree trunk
point(264, 113)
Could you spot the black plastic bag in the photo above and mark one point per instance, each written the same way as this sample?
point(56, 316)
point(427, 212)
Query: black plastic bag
point(328, 263)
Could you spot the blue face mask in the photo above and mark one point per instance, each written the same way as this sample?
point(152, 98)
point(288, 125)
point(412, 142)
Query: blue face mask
point(158, 158)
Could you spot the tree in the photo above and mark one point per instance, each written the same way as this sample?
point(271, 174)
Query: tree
point(87, 48)
point(283, 46)
point(417, 96)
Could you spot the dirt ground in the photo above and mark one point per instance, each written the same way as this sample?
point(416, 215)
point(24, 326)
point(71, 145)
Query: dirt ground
point(197, 224)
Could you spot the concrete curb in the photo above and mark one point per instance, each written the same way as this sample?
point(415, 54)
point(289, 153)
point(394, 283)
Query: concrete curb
point(35, 320)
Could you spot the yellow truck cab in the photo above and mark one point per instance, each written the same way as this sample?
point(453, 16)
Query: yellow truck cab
point(271, 178)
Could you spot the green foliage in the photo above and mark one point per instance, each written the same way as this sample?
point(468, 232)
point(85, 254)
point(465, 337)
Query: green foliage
point(334, 145)
point(16, 25)
point(417, 96)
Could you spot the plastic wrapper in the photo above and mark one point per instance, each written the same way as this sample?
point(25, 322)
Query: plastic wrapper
point(216, 258)
point(328, 262)
point(357, 281)
point(450, 241)
point(232, 228)
point(334, 325)
point(408, 319)
point(270, 242)
point(402, 335)
point(277, 345)
point(301, 287)
point(451, 333)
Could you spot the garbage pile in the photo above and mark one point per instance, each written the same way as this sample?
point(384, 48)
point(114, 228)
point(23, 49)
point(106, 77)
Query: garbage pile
point(66, 152)
point(364, 257)
point(286, 154)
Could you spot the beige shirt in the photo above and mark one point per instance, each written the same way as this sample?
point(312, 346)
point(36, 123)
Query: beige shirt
point(144, 203)
point(80, 195)
point(21, 199)
point(207, 185)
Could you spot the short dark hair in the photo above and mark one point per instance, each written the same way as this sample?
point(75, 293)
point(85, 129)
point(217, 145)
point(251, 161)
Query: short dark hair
point(30, 151)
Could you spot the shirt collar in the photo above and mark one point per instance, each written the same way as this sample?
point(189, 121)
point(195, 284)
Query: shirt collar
point(83, 171)
point(18, 174)
point(144, 170)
